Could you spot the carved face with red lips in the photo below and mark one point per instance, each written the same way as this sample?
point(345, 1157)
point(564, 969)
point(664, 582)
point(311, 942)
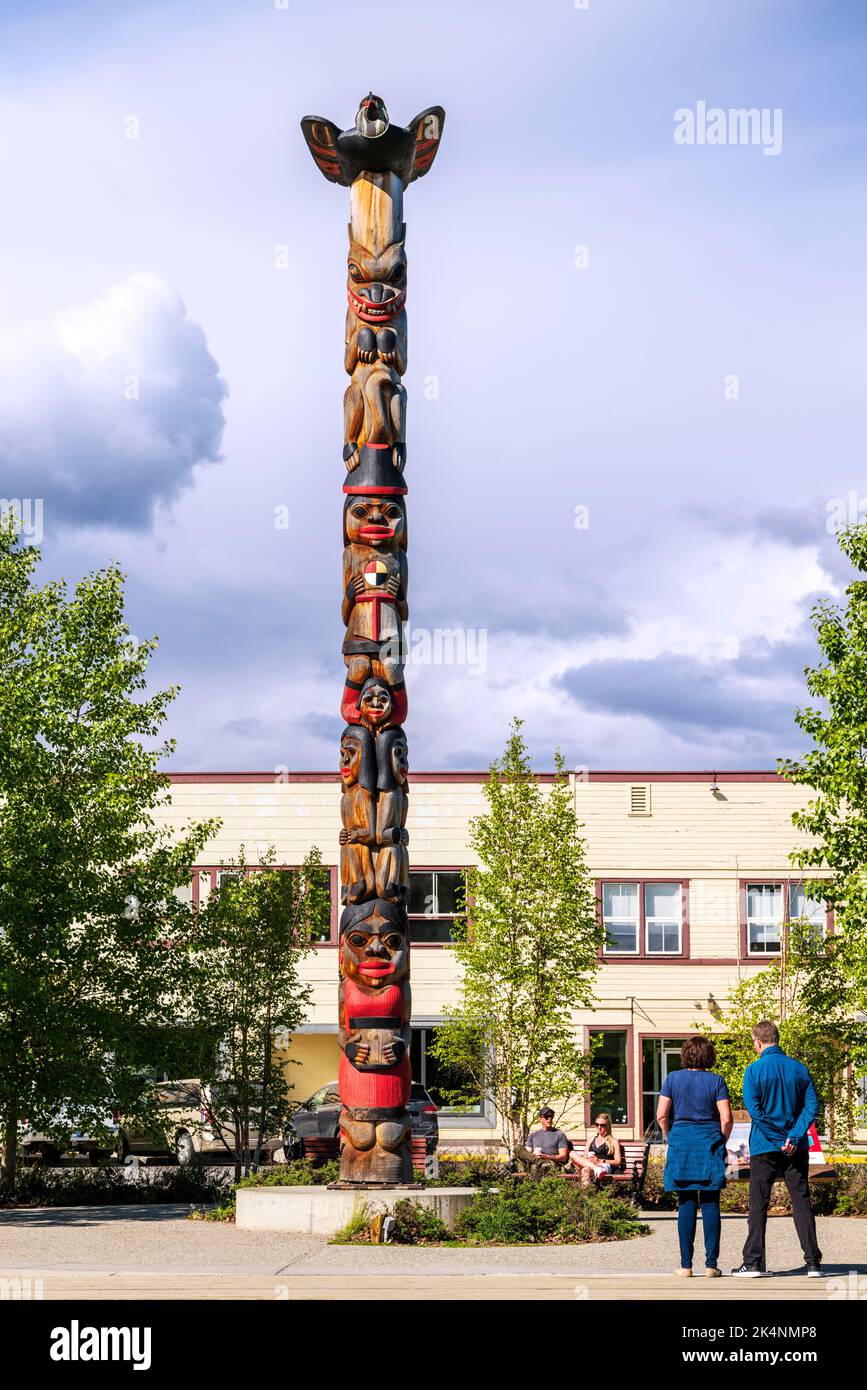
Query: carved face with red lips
point(376, 521)
point(375, 704)
point(374, 953)
point(376, 286)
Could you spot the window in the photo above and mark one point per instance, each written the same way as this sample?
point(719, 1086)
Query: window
point(205, 881)
point(620, 916)
point(643, 918)
point(771, 905)
point(663, 914)
point(807, 910)
point(764, 917)
point(609, 1080)
point(435, 898)
point(439, 1081)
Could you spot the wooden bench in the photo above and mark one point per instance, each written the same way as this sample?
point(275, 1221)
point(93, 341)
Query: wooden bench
point(633, 1173)
point(321, 1151)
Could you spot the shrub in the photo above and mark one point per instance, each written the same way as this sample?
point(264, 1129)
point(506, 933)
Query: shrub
point(299, 1173)
point(844, 1195)
point(110, 1185)
point(471, 1170)
point(416, 1225)
point(550, 1211)
point(224, 1212)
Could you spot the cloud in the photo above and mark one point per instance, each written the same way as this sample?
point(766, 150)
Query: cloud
point(106, 410)
point(680, 693)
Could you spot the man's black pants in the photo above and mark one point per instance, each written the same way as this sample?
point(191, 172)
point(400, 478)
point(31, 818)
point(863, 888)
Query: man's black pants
point(765, 1170)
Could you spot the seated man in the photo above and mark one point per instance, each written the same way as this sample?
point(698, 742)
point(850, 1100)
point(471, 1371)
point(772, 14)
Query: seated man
point(546, 1149)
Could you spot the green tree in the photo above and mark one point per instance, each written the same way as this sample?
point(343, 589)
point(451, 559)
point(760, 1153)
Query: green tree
point(94, 936)
point(783, 992)
point(527, 946)
point(835, 819)
point(254, 932)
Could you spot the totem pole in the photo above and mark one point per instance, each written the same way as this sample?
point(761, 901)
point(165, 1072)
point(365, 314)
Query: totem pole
point(375, 160)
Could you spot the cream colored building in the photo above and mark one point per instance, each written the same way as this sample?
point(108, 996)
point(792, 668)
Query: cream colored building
point(693, 876)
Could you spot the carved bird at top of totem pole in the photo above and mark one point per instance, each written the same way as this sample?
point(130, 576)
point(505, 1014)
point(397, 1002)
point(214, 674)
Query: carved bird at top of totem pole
point(373, 145)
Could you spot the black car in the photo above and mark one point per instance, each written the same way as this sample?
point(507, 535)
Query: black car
point(317, 1118)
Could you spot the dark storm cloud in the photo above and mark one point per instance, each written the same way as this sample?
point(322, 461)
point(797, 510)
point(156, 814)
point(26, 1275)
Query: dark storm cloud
point(678, 692)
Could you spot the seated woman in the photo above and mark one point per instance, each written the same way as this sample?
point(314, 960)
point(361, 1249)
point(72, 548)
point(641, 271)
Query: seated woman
point(602, 1153)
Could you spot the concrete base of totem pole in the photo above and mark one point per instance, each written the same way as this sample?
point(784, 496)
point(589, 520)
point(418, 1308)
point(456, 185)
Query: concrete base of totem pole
point(322, 1211)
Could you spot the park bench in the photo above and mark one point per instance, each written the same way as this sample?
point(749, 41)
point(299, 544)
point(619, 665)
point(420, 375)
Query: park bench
point(632, 1174)
point(325, 1150)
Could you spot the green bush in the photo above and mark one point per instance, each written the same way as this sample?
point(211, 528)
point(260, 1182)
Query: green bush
point(844, 1195)
point(551, 1211)
point(476, 1170)
point(111, 1185)
point(299, 1173)
point(416, 1225)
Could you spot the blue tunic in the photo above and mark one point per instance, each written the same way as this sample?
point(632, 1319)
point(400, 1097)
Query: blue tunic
point(696, 1157)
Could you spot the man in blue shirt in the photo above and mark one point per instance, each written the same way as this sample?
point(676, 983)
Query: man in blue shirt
point(782, 1103)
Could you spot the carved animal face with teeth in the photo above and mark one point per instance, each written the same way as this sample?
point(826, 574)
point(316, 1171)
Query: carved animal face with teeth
point(377, 284)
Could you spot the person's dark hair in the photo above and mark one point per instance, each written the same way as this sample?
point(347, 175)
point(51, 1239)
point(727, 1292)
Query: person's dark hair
point(766, 1032)
point(698, 1052)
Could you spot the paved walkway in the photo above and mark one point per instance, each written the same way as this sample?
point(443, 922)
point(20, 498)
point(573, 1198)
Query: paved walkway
point(153, 1252)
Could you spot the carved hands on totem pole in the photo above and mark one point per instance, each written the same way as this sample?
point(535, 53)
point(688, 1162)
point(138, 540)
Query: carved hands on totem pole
point(374, 1011)
point(376, 161)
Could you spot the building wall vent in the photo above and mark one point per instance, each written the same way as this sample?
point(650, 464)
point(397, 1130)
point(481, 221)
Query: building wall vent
point(639, 799)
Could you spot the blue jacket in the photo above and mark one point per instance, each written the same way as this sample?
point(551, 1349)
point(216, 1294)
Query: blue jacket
point(781, 1099)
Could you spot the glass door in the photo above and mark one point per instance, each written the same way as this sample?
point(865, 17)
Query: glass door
point(659, 1057)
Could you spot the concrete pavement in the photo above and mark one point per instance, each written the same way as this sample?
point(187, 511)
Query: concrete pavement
point(154, 1252)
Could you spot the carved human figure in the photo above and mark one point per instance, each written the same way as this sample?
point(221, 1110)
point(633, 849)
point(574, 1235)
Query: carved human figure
point(374, 1010)
point(358, 814)
point(392, 838)
point(374, 609)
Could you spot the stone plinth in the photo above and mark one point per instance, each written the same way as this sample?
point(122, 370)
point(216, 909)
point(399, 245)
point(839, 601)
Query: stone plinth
point(322, 1211)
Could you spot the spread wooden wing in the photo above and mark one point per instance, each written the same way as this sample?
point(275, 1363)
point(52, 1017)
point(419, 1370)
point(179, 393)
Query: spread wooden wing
point(321, 137)
point(427, 127)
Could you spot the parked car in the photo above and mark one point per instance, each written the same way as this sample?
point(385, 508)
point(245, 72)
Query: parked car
point(187, 1109)
point(317, 1118)
point(36, 1143)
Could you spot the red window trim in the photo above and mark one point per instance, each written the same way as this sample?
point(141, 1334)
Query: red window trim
point(785, 881)
point(629, 1030)
point(420, 916)
point(642, 954)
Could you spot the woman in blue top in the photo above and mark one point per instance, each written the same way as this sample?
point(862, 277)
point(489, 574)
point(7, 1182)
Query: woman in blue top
point(695, 1115)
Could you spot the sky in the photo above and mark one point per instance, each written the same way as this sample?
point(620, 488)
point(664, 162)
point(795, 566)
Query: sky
point(635, 376)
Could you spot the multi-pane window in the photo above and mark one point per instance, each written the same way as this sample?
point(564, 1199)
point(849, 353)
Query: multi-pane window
point(642, 918)
point(620, 914)
point(663, 914)
point(769, 906)
point(205, 881)
point(435, 899)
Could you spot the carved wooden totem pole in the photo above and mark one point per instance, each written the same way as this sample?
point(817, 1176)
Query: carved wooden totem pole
point(376, 161)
